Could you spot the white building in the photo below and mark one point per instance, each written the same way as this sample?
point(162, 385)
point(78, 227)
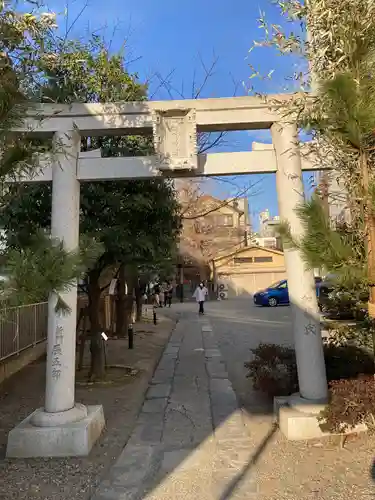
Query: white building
point(269, 242)
point(335, 195)
point(268, 236)
point(268, 224)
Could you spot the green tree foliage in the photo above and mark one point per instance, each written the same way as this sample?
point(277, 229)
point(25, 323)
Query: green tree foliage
point(137, 222)
point(22, 47)
point(338, 41)
point(336, 249)
point(21, 43)
point(42, 266)
point(340, 251)
point(342, 115)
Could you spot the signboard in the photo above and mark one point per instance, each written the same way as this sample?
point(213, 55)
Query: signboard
point(175, 139)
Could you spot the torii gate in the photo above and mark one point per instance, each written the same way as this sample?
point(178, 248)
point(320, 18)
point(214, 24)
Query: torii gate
point(64, 427)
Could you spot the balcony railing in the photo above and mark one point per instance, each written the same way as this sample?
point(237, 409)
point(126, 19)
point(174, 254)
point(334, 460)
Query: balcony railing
point(21, 328)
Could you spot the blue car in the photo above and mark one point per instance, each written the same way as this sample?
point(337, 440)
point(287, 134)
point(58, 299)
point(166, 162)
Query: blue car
point(277, 294)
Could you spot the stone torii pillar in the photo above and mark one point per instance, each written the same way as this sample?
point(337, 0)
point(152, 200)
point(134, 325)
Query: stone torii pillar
point(61, 327)
point(62, 427)
point(302, 294)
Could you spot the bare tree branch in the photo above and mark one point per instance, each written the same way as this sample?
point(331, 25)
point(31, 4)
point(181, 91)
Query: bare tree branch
point(216, 208)
point(222, 204)
point(68, 28)
point(206, 141)
point(163, 82)
point(208, 73)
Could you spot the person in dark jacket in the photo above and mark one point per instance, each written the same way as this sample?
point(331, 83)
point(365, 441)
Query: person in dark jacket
point(168, 294)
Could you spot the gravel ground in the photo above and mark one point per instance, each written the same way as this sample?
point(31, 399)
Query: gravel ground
point(62, 479)
point(310, 470)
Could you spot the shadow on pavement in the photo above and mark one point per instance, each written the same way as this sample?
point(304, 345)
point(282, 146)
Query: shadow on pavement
point(203, 431)
point(232, 487)
point(191, 435)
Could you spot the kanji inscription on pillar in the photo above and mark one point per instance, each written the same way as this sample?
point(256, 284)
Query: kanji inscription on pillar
point(59, 334)
point(175, 139)
point(56, 363)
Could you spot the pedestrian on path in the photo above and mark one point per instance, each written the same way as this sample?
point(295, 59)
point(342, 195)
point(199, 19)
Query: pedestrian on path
point(200, 295)
point(168, 294)
point(161, 295)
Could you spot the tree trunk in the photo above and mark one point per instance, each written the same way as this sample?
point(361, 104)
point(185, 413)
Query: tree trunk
point(138, 301)
point(83, 337)
point(324, 190)
point(369, 217)
point(121, 327)
point(97, 365)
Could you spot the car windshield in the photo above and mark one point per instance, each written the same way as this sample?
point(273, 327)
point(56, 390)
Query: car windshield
point(277, 284)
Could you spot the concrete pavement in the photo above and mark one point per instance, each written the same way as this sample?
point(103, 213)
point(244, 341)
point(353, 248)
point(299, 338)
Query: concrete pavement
point(239, 326)
point(190, 441)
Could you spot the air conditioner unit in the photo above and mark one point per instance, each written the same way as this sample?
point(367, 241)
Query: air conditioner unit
point(223, 295)
point(222, 286)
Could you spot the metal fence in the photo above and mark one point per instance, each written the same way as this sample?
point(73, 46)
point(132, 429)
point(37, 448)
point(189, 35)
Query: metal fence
point(22, 327)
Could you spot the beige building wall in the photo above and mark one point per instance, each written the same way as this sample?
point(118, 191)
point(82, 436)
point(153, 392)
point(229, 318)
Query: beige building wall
point(221, 229)
point(249, 270)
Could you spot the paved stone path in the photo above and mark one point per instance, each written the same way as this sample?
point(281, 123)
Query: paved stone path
point(190, 441)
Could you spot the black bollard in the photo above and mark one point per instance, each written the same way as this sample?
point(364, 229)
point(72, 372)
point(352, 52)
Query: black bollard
point(130, 336)
point(155, 319)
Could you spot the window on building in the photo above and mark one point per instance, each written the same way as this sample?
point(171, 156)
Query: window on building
point(263, 259)
point(224, 220)
point(207, 223)
point(243, 260)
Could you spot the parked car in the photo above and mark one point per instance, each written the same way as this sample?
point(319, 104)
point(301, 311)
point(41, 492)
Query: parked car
point(277, 294)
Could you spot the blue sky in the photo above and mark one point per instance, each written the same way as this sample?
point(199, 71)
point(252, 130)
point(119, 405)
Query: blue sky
point(174, 40)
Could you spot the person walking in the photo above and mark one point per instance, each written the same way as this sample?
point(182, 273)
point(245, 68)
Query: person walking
point(200, 295)
point(168, 294)
point(161, 295)
point(158, 291)
point(156, 288)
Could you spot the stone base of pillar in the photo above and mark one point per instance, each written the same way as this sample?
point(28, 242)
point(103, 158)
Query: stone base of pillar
point(298, 418)
point(69, 439)
point(42, 418)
